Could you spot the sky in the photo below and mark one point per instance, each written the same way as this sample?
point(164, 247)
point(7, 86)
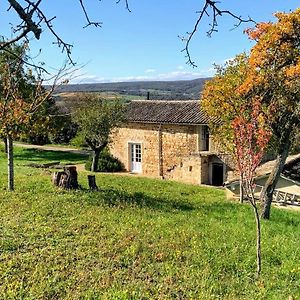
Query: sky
point(143, 44)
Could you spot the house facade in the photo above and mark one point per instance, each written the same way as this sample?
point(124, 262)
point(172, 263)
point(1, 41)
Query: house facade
point(170, 140)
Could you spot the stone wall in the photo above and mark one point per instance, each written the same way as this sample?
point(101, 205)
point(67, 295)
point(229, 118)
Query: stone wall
point(168, 151)
point(174, 141)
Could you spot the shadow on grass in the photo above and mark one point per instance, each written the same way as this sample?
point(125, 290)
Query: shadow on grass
point(49, 155)
point(117, 198)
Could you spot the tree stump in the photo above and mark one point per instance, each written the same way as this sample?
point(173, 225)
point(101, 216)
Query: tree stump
point(92, 182)
point(66, 179)
point(56, 178)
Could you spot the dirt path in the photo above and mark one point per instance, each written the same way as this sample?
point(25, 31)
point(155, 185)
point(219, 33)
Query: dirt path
point(54, 148)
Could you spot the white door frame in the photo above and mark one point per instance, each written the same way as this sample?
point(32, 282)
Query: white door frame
point(135, 157)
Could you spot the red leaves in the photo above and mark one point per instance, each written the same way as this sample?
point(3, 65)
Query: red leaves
point(258, 31)
point(251, 137)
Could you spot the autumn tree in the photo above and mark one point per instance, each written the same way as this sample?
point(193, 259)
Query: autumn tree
point(21, 97)
point(220, 95)
point(97, 118)
point(251, 136)
point(274, 62)
point(271, 73)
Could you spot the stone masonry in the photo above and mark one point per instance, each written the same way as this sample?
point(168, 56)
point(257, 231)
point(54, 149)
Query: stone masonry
point(168, 151)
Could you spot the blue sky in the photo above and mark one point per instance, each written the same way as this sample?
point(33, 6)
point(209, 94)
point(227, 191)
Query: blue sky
point(144, 44)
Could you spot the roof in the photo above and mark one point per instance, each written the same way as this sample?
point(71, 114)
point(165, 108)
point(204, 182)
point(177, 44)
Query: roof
point(292, 169)
point(170, 112)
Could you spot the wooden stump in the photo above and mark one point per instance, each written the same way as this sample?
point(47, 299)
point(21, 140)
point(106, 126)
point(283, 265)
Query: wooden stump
point(66, 179)
point(56, 178)
point(92, 182)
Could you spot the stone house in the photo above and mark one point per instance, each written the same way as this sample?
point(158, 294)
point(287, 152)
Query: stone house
point(170, 140)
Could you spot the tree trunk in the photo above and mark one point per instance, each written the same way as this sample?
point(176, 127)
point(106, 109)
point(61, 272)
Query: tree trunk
point(92, 182)
point(241, 190)
point(267, 194)
point(250, 192)
point(258, 240)
point(10, 163)
point(96, 155)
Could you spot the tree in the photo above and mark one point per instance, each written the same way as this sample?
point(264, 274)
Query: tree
point(274, 62)
point(271, 73)
point(251, 137)
point(97, 118)
point(220, 95)
point(21, 97)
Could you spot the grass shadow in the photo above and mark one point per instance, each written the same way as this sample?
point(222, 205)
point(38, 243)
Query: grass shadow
point(115, 197)
point(30, 155)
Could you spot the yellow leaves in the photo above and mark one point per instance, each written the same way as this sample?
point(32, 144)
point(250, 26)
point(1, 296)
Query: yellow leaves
point(293, 71)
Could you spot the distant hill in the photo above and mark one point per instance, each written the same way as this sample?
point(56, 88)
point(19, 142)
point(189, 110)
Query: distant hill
point(183, 89)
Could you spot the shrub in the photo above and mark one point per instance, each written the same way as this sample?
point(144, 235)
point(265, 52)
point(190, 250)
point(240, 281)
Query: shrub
point(106, 163)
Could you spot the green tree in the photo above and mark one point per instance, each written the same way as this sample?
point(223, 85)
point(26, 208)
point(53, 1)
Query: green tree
point(97, 118)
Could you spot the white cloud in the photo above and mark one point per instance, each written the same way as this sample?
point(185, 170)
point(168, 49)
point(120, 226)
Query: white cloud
point(169, 76)
point(78, 77)
point(150, 71)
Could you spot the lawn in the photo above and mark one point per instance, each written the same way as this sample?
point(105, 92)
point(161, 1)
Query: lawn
point(136, 238)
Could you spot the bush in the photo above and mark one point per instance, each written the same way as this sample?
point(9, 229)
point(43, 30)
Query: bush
point(106, 163)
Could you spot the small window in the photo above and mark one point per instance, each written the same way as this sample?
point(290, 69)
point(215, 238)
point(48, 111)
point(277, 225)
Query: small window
point(204, 138)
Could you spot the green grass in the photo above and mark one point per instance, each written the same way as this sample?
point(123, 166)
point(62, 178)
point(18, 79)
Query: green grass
point(137, 238)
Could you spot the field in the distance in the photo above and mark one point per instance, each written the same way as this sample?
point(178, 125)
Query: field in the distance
point(137, 238)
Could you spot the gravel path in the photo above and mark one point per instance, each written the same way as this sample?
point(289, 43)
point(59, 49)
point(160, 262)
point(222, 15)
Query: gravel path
point(54, 148)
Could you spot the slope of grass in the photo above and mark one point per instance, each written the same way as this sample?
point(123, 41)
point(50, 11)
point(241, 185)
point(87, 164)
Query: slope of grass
point(137, 238)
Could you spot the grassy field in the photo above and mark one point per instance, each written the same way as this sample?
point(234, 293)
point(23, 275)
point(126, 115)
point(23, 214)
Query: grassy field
point(137, 238)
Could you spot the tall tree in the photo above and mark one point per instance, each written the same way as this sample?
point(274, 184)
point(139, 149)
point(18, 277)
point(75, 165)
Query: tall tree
point(97, 118)
point(272, 73)
point(21, 96)
point(275, 76)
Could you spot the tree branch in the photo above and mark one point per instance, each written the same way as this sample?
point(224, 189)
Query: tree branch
point(126, 4)
point(89, 22)
point(216, 13)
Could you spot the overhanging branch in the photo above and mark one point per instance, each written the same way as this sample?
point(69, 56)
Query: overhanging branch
point(216, 13)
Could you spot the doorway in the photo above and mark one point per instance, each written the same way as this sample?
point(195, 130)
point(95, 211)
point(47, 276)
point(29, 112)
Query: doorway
point(135, 155)
point(217, 174)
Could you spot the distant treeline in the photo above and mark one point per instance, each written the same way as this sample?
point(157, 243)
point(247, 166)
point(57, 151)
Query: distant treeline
point(183, 89)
